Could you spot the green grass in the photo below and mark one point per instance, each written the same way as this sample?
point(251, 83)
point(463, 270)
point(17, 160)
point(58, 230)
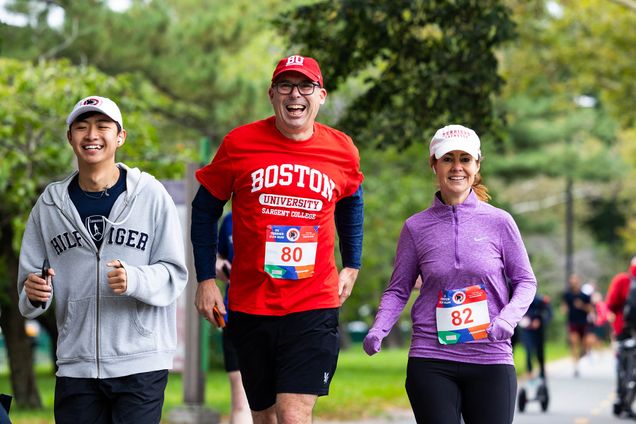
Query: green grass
point(367, 386)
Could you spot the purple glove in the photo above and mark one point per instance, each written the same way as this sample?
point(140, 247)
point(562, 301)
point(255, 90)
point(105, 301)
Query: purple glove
point(499, 330)
point(372, 344)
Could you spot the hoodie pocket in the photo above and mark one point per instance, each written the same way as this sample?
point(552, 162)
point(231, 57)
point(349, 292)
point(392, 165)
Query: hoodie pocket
point(123, 330)
point(77, 335)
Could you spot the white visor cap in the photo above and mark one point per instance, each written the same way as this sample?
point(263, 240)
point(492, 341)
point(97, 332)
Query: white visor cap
point(455, 137)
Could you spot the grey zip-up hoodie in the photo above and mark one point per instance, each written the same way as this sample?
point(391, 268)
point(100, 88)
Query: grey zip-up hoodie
point(102, 334)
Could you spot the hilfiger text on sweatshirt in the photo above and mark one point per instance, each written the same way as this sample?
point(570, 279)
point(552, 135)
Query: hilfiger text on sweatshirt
point(118, 236)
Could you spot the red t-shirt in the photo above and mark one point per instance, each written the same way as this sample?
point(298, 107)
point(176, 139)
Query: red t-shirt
point(283, 194)
point(616, 297)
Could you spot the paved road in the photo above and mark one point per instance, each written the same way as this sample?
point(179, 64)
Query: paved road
point(586, 399)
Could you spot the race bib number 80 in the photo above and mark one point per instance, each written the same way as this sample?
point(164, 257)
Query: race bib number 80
point(290, 251)
point(462, 315)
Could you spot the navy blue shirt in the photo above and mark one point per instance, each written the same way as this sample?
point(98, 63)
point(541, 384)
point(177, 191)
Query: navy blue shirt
point(576, 315)
point(540, 309)
point(94, 207)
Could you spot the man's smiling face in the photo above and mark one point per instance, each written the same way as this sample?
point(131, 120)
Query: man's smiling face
point(94, 138)
point(296, 113)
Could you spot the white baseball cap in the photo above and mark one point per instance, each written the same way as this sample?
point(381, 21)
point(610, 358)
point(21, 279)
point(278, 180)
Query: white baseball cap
point(96, 104)
point(455, 137)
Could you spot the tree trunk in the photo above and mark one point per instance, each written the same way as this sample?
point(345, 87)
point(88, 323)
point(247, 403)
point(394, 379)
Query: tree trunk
point(19, 345)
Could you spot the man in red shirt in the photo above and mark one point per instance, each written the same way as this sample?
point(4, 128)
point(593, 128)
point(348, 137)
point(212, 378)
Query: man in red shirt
point(288, 177)
point(617, 295)
point(616, 298)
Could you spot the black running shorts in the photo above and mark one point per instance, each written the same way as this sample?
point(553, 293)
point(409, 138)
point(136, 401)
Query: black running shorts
point(136, 398)
point(230, 360)
point(295, 353)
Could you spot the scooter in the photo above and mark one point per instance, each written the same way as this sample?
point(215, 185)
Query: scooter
point(534, 390)
point(626, 378)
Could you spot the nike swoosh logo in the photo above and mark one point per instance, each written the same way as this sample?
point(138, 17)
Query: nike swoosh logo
point(480, 238)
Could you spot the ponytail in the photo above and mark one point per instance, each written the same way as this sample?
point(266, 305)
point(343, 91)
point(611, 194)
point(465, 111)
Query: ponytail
point(480, 190)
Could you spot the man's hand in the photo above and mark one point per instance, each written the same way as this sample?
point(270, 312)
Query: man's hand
point(207, 297)
point(535, 324)
point(117, 278)
point(578, 303)
point(346, 281)
point(37, 288)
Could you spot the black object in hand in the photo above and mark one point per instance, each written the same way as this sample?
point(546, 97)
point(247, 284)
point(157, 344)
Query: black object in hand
point(45, 275)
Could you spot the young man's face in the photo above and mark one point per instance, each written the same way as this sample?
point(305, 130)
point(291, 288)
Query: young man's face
point(95, 138)
point(296, 112)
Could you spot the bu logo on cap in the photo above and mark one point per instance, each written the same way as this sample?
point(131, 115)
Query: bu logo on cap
point(295, 60)
point(92, 102)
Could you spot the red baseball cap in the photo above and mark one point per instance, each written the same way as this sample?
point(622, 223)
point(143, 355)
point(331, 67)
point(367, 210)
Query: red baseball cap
point(305, 65)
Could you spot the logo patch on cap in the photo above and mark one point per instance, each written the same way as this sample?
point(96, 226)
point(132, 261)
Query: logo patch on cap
point(295, 60)
point(301, 64)
point(91, 102)
point(456, 133)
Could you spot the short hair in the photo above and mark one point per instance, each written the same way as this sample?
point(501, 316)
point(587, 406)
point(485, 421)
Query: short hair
point(87, 115)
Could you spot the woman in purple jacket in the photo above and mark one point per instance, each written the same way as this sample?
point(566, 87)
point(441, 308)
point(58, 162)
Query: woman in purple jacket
point(477, 283)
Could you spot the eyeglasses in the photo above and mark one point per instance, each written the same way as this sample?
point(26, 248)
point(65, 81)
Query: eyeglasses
point(305, 88)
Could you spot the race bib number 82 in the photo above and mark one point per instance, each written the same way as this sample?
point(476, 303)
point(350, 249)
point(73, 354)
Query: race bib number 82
point(462, 315)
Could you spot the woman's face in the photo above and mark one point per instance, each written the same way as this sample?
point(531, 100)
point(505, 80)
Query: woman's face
point(456, 172)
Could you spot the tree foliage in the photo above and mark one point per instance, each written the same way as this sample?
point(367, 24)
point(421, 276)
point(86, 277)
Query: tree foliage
point(543, 138)
point(574, 47)
point(424, 63)
point(569, 53)
point(211, 59)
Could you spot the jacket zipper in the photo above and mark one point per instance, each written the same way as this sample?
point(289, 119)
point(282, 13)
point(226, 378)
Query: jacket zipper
point(97, 255)
point(97, 297)
point(456, 234)
point(97, 316)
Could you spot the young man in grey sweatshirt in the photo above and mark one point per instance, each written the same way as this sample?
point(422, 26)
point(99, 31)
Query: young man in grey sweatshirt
point(112, 238)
